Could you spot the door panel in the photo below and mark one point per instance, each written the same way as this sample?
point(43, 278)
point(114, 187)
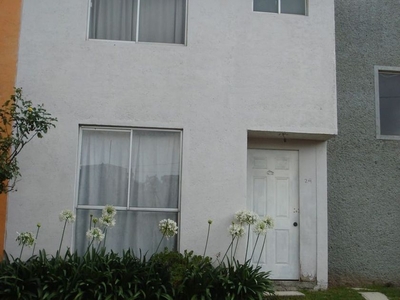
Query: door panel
point(273, 190)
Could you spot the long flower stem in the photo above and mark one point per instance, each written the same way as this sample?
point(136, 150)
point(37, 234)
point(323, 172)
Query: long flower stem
point(87, 250)
point(105, 237)
point(22, 249)
point(34, 245)
point(262, 248)
point(208, 234)
point(254, 249)
point(159, 243)
point(237, 242)
point(247, 245)
point(230, 245)
point(62, 237)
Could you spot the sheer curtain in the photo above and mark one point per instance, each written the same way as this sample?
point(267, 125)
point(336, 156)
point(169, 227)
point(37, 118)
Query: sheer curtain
point(154, 185)
point(160, 21)
point(113, 20)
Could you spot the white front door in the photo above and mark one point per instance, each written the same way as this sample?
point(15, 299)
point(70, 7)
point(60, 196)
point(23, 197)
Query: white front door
point(273, 190)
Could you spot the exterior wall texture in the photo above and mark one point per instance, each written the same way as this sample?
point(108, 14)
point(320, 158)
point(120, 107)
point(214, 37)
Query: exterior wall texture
point(239, 71)
point(363, 171)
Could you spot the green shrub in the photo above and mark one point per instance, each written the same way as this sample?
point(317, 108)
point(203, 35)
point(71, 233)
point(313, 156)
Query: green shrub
point(168, 275)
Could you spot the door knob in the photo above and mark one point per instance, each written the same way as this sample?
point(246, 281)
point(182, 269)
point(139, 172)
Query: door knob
point(295, 224)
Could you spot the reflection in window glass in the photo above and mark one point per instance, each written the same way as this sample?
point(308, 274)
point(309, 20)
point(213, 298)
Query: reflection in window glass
point(389, 103)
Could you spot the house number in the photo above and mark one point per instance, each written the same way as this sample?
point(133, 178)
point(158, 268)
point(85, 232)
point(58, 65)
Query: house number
point(307, 180)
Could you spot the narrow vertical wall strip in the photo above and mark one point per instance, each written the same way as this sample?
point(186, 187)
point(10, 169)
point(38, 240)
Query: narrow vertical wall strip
point(10, 19)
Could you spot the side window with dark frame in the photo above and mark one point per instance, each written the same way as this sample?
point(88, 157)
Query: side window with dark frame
point(387, 94)
point(296, 7)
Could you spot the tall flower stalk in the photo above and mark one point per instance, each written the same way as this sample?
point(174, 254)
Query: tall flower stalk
point(94, 235)
point(236, 231)
point(168, 228)
point(249, 218)
point(107, 220)
point(208, 234)
point(261, 228)
point(37, 234)
point(65, 216)
point(25, 239)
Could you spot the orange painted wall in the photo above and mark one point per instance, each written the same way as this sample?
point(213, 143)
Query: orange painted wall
point(10, 19)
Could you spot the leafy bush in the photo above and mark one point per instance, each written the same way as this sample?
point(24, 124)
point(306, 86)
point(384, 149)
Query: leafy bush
point(107, 275)
point(20, 123)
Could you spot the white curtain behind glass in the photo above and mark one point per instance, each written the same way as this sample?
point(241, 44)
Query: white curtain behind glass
point(103, 180)
point(160, 21)
point(113, 20)
point(104, 168)
point(155, 169)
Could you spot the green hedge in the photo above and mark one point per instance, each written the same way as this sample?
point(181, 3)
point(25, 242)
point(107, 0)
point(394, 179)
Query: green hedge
point(107, 275)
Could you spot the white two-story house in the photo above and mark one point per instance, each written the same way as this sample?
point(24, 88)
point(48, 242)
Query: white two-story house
point(181, 109)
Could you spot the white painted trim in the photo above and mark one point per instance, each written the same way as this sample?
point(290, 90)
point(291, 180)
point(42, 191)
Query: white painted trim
point(322, 215)
point(89, 6)
point(137, 21)
point(313, 204)
point(378, 69)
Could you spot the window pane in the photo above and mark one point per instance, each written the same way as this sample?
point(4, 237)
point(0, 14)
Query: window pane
point(113, 20)
point(266, 5)
point(297, 7)
point(104, 168)
point(162, 21)
point(389, 103)
point(135, 230)
point(155, 169)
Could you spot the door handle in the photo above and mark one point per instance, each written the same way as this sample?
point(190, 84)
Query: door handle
point(295, 224)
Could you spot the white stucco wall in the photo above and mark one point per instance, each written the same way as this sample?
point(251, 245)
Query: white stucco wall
point(240, 70)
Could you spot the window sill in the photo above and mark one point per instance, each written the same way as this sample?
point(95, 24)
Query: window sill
point(135, 43)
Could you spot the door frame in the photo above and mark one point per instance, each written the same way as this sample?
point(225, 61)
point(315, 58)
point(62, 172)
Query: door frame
point(292, 270)
point(313, 206)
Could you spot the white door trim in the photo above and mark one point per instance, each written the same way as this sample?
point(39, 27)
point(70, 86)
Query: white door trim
point(313, 204)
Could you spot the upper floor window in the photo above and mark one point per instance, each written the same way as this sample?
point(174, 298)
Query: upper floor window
point(387, 94)
point(297, 7)
point(157, 21)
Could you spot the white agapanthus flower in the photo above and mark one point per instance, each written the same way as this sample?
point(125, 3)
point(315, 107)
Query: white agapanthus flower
point(67, 215)
point(168, 228)
point(109, 210)
point(107, 221)
point(236, 230)
point(25, 239)
point(95, 234)
point(246, 217)
point(268, 221)
point(260, 228)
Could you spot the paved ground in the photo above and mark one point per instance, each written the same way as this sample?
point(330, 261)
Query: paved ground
point(366, 295)
point(373, 296)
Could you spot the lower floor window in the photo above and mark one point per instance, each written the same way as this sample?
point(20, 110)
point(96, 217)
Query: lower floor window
point(138, 172)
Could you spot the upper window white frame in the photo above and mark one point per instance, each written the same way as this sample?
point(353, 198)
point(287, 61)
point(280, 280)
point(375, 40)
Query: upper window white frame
point(137, 27)
point(278, 5)
point(379, 70)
